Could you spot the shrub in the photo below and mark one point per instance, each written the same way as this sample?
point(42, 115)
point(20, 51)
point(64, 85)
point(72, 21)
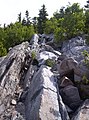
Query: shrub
point(3, 50)
point(33, 55)
point(86, 57)
point(85, 80)
point(50, 62)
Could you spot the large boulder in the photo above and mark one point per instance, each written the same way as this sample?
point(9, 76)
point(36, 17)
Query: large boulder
point(70, 96)
point(74, 48)
point(69, 64)
point(71, 99)
point(42, 99)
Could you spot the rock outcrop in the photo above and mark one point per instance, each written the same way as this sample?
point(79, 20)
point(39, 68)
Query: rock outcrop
point(31, 90)
point(11, 69)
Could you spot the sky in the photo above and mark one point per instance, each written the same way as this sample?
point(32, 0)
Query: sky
point(9, 9)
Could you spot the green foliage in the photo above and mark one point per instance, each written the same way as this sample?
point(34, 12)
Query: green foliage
point(17, 33)
point(50, 26)
point(85, 80)
point(14, 34)
point(59, 14)
point(86, 29)
point(71, 23)
point(33, 55)
point(59, 35)
point(42, 19)
point(85, 53)
point(3, 50)
point(34, 22)
point(66, 23)
point(86, 57)
point(50, 62)
point(19, 17)
point(27, 18)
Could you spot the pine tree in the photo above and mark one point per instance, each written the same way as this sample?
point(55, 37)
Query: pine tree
point(42, 19)
point(34, 21)
point(27, 18)
point(19, 17)
point(24, 22)
point(59, 14)
point(87, 17)
point(87, 6)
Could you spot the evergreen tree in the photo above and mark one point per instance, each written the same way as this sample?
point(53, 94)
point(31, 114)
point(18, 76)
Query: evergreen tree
point(24, 22)
point(34, 21)
point(42, 19)
point(87, 17)
point(59, 14)
point(87, 6)
point(27, 18)
point(71, 24)
point(19, 17)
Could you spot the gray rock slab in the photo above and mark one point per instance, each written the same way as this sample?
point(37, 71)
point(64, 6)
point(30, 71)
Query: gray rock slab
point(42, 100)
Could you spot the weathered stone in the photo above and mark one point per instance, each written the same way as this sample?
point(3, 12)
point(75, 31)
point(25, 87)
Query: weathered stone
point(46, 55)
point(63, 110)
point(1, 59)
point(74, 48)
point(2, 108)
point(62, 57)
point(16, 116)
point(42, 100)
point(20, 108)
point(13, 102)
point(70, 96)
point(34, 39)
point(47, 48)
point(65, 82)
point(68, 109)
point(11, 68)
point(69, 64)
point(30, 91)
point(77, 78)
point(83, 112)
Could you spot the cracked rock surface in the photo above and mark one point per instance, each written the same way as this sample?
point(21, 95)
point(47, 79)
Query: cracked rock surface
point(38, 83)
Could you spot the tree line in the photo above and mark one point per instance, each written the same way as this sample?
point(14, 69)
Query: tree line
point(68, 22)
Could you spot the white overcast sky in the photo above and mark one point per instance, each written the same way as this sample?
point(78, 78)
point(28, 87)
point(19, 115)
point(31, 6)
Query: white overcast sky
point(9, 9)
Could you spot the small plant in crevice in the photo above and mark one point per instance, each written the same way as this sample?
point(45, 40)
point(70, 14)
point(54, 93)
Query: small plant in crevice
point(86, 58)
point(50, 62)
point(85, 80)
point(33, 55)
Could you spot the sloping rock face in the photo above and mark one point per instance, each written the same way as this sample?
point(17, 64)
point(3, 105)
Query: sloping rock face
point(30, 90)
point(42, 99)
point(73, 49)
point(10, 69)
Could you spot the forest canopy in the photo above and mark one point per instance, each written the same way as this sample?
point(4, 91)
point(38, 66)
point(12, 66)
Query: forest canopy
point(68, 22)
